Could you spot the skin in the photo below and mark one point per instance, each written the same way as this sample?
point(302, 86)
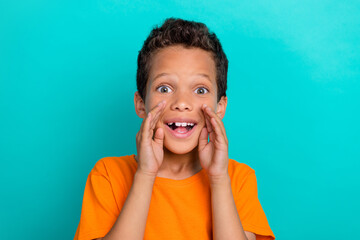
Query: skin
point(179, 70)
point(185, 74)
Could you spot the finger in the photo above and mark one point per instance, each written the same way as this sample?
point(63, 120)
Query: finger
point(159, 108)
point(143, 133)
point(207, 119)
point(219, 123)
point(203, 138)
point(147, 122)
point(212, 114)
point(219, 134)
point(144, 124)
point(159, 136)
point(211, 132)
point(208, 125)
point(146, 130)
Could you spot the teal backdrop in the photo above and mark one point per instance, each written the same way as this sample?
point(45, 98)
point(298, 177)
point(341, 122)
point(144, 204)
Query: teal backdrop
point(67, 81)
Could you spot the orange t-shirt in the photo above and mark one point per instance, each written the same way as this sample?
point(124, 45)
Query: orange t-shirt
point(179, 209)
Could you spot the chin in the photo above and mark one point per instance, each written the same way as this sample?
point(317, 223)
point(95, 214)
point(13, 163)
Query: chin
point(180, 148)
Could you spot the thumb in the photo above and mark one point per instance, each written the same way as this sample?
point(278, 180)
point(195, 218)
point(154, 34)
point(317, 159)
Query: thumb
point(159, 136)
point(203, 139)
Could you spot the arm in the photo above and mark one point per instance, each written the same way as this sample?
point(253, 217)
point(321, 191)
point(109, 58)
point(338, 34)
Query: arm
point(132, 219)
point(250, 235)
point(214, 159)
point(226, 221)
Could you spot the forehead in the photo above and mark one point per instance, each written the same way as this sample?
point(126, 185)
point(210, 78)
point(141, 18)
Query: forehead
point(182, 62)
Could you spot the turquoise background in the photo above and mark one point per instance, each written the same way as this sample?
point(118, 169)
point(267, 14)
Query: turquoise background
point(67, 79)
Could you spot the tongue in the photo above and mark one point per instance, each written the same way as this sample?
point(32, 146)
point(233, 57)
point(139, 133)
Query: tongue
point(181, 130)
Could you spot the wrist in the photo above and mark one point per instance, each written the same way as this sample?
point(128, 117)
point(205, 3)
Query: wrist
point(146, 174)
point(219, 179)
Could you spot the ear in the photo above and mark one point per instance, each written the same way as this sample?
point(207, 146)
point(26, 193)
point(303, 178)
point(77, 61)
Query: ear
point(221, 107)
point(139, 105)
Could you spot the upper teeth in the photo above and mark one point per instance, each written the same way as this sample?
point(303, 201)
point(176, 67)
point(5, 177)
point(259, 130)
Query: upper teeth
point(182, 124)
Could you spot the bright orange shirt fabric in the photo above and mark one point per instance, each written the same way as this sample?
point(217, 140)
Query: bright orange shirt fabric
point(179, 209)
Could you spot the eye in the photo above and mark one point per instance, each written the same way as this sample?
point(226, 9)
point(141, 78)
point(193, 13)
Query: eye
point(201, 90)
point(163, 89)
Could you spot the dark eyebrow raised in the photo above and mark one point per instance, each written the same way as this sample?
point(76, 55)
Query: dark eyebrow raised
point(204, 75)
point(160, 75)
point(199, 74)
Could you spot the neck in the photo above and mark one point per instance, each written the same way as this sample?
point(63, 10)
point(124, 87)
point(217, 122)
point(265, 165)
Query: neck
point(180, 164)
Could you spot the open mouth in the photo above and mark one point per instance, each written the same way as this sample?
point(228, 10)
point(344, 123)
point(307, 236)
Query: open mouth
point(181, 126)
point(181, 129)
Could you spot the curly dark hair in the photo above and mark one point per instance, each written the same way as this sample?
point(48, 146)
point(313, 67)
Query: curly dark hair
point(189, 34)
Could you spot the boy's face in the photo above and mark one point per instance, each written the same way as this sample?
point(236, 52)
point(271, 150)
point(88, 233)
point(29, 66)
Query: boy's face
point(185, 79)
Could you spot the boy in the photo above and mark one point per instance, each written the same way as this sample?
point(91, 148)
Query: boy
point(181, 184)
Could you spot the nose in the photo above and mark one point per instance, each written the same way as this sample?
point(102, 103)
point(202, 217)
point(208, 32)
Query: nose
point(181, 102)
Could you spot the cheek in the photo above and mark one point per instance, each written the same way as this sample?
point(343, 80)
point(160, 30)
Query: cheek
point(150, 105)
point(160, 121)
point(151, 100)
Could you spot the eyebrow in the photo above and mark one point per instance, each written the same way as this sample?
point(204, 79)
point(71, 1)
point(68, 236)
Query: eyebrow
point(198, 74)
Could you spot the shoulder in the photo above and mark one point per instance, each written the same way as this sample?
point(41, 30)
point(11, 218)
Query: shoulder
point(237, 168)
point(117, 171)
point(115, 165)
point(239, 172)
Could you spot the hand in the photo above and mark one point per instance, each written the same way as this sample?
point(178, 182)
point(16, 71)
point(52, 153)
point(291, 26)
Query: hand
point(213, 155)
point(149, 145)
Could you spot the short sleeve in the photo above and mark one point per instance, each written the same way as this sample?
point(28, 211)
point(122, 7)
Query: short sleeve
point(251, 213)
point(99, 209)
